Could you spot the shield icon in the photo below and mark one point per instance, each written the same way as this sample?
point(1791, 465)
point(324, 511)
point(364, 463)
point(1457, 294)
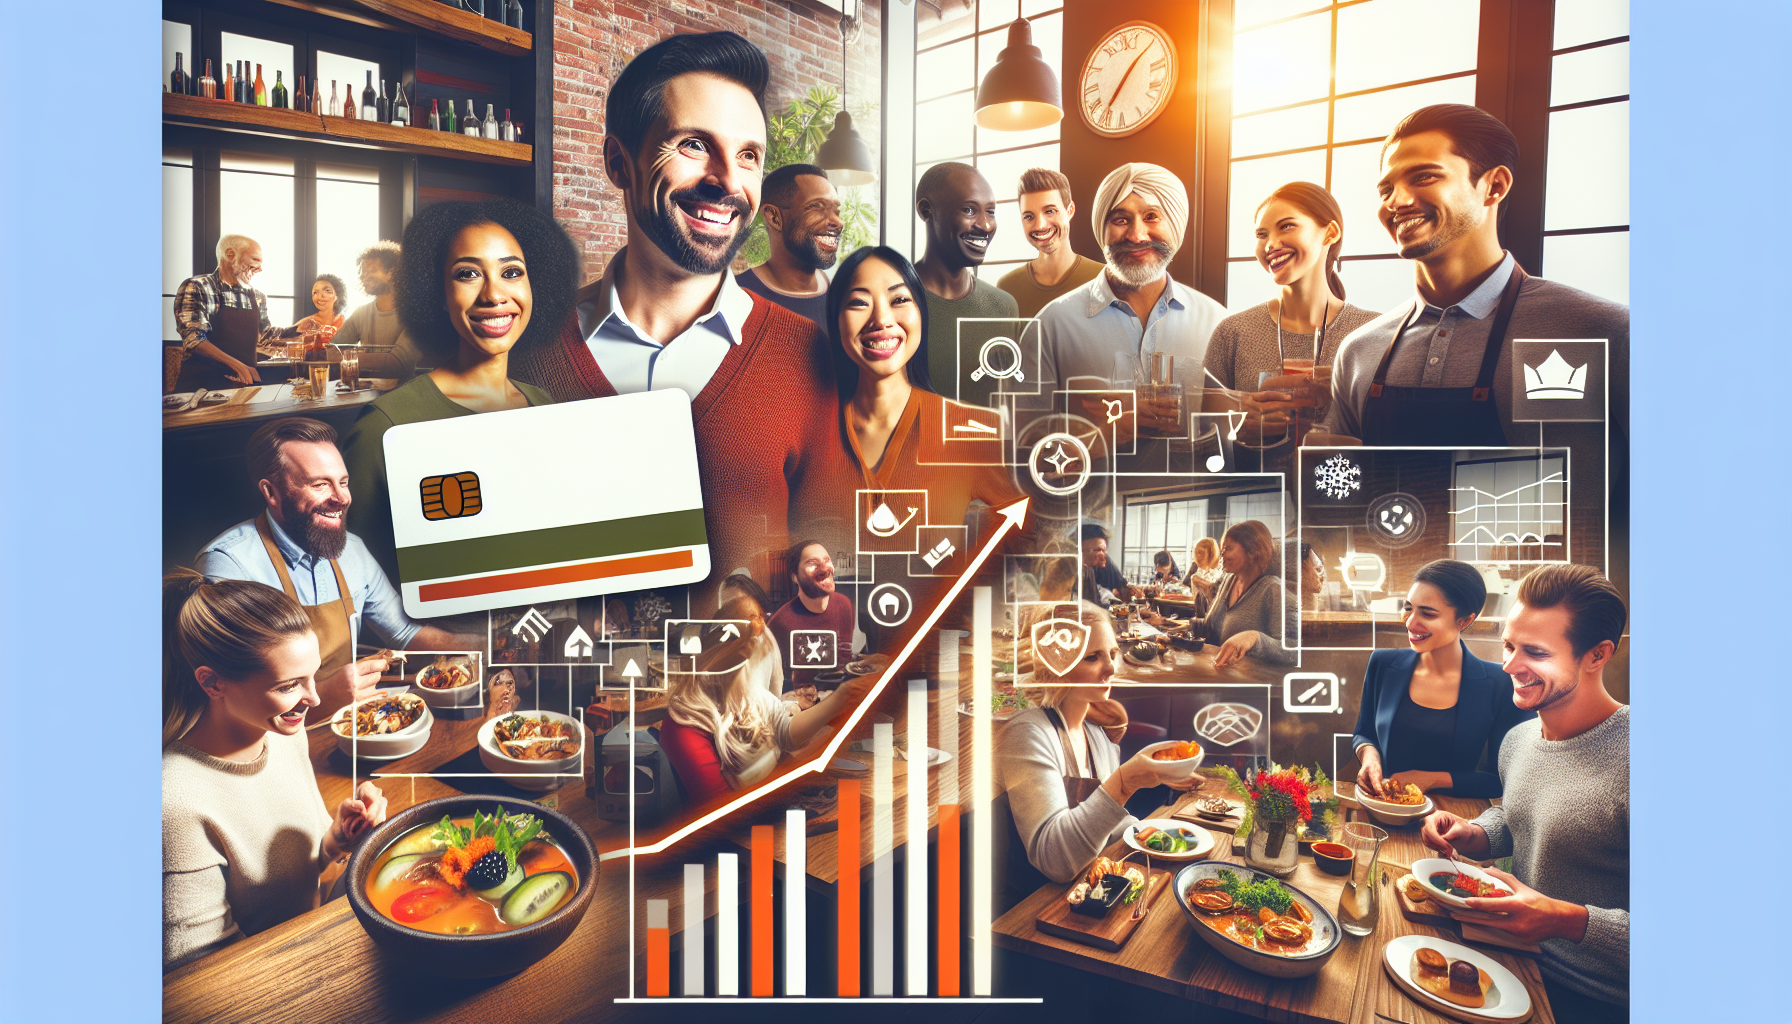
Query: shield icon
point(1059, 644)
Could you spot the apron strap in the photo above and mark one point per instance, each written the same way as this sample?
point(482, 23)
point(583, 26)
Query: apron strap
point(343, 600)
point(348, 605)
point(1076, 768)
point(1490, 355)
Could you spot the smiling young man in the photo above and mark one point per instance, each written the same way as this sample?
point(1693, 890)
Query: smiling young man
point(300, 544)
point(956, 204)
point(1045, 213)
point(685, 143)
point(1565, 816)
point(801, 211)
point(1133, 308)
point(816, 606)
point(376, 323)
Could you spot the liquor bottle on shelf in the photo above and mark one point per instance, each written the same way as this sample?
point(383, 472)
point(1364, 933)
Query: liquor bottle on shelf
point(469, 125)
point(382, 107)
point(369, 108)
point(488, 128)
point(279, 91)
point(435, 117)
point(299, 100)
point(506, 130)
point(261, 88)
point(243, 91)
point(335, 106)
point(401, 108)
point(177, 82)
point(208, 86)
point(348, 102)
point(450, 123)
point(228, 90)
point(513, 13)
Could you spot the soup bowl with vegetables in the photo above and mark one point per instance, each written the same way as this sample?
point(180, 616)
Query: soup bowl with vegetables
point(472, 886)
point(1256, 920)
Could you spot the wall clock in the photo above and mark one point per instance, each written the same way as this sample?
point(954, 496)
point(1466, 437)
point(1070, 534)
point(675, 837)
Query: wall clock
point(1127, 79)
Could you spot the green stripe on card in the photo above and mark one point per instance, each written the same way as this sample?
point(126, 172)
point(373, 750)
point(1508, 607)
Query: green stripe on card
point(531, 548)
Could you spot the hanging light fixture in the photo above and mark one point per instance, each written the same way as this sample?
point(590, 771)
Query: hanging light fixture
point(844, 154)
point(1021, 92)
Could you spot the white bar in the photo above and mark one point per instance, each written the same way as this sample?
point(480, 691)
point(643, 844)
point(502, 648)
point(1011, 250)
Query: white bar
point(982, 792)
point(948, 715)
point(883, 878)
point(659, 914)
point(693, 929)
point(728, 924)
point(796, 877)
point(915, 929)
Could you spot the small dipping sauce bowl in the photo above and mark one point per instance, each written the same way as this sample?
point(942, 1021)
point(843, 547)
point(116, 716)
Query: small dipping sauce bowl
point(1333, 858)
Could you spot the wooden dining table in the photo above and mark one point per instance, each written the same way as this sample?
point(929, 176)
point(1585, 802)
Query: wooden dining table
point(242, 408)
point(1167, 955)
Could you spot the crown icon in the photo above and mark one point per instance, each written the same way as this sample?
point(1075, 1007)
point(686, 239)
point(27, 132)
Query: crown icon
point(1555, 379)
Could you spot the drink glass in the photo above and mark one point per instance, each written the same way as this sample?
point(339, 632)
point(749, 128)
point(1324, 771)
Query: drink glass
point(295, 356)
point(1360, 903)
point(320, 380)
point(350, 370)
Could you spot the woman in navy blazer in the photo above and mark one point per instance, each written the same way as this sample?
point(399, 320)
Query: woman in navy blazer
point(1428, 712)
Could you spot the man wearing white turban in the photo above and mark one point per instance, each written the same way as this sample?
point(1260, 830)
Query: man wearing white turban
point(1133, 310)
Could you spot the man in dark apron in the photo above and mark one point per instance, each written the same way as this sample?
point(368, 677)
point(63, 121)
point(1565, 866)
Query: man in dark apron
point(221, 319)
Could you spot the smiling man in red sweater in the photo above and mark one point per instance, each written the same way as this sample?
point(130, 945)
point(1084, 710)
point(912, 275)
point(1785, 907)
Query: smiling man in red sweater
point(685, 143)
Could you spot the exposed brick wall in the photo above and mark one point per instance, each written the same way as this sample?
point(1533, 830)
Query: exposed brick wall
point(593, 42)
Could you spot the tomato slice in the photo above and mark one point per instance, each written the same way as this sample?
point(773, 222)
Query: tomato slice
point(424, 901)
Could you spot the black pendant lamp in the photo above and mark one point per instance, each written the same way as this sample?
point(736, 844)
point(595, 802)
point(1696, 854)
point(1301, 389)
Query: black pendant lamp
point(1021, 92)
point(844, 154)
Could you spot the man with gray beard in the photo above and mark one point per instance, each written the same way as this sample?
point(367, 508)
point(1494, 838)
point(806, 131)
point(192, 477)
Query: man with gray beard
point(1132, 309)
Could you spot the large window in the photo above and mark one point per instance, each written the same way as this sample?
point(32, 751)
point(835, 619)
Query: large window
point(1175, 524)
point(951, 59)
point(348, 221)
point(1314, 92)
point(177, 238)
point(1586, 213)
point(255, 198)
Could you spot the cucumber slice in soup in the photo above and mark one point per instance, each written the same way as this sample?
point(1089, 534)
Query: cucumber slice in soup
point(498, 892)
point(536, 897)
point(395, 867)
point(422, 840)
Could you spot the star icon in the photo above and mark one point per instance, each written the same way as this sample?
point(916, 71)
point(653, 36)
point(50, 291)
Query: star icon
point(812, 650)
point(1059, 458)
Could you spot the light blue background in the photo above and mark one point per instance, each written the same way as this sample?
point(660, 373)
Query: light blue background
point(80, 513)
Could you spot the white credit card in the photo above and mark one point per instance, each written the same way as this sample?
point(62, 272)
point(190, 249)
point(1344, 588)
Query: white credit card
point(546, 503)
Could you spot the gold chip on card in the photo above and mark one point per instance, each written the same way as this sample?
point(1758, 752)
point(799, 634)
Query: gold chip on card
point(451, 497)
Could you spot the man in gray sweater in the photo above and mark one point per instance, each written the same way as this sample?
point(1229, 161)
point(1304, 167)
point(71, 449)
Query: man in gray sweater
point(1565, 818)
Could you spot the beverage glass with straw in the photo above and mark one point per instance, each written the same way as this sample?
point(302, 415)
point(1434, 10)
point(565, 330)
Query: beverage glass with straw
point(1359, 904)
point(350, 369)
point(295, 357)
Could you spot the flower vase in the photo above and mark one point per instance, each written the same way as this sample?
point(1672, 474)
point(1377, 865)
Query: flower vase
point(1273, 847)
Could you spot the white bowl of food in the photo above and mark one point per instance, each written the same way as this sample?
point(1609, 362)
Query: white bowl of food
point(1407, 807)
point(448, 683)
point(534, 750)
point(386, 726)
point(1445, 882)
point(1174, 760)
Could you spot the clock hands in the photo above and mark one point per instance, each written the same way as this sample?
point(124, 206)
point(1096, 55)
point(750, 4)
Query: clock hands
point(1128, 74)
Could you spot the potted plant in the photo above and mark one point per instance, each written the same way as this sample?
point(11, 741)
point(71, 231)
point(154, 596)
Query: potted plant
point(1278, 801)
point(794, 137)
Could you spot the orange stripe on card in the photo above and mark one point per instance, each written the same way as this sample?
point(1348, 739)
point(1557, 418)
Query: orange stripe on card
point(530, 578)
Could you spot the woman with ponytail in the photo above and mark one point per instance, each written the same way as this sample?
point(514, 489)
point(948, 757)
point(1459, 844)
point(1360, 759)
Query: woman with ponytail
point(1299, 235)
point(245, 834)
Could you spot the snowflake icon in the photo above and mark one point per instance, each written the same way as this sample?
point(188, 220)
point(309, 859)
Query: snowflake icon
point(1337, 477)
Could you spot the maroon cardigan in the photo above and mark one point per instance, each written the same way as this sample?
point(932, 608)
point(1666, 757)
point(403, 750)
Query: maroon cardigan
point(769, 414)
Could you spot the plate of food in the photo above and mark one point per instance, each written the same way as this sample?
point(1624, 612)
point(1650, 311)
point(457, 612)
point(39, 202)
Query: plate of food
point(534, 750)
point(176, 401)
point(448, 681)
point(386, 726)
point(1141, 652)
point(1104, 886)
point(1256, 920)
point(1171, 840)
point(1174, 760)
point(1454, 884)
point(1398, 804)
point(1453, 979)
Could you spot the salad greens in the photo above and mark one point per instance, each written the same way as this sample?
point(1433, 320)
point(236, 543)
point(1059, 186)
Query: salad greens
point(1251, 896)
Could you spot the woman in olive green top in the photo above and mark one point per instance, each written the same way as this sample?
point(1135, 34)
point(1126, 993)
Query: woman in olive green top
point(476, 280)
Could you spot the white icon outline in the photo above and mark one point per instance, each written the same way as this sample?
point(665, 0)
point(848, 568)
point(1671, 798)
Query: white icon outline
point(1082, 455)
point(1555, 379)
point(1013, 372)
point(1307, 684)
point(881, 595)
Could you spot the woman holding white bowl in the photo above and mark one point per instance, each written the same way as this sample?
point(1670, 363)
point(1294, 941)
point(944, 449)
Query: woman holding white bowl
point(1065, 784)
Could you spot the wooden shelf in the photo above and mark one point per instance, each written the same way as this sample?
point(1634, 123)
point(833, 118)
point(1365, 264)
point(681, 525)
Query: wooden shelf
point(284, 123)
point(428, 15)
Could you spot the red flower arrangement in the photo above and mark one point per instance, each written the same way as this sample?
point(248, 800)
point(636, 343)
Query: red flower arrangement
point(1282, 795)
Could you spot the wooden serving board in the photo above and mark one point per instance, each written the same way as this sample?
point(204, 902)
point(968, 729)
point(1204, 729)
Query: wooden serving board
point(1109, 932)
point(1229, 823)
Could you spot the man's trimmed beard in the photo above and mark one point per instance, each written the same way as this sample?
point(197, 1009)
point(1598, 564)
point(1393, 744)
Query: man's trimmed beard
point(661, 223)
point(318, 541)
point(1138, 275)
point(808, 253)
point(811, 588)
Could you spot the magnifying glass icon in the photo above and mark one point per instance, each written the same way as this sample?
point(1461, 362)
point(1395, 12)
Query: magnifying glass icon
point(985, 370)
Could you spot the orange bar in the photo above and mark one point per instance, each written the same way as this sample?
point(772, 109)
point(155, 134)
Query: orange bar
point(846, 866)
point(948, 910)
point(659, 962)
point(762, 910)
point(580, 573)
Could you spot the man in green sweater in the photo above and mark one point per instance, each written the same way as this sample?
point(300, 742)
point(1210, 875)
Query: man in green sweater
point(1045, 212)
point(1565, 817)
point(959, 209)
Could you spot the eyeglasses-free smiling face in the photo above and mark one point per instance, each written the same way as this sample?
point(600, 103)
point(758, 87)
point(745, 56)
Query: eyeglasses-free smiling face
point(815, 572)
point(487, 288)
point(1045, 217)
point(1431, 624)
point(964, 218)
point(694, 186)
point(1428, 200)
point(1137, 241)
point(1539, 657)
point(1290, 244)
point(323, 296)
point(274, 699)
point(812, 225)
point(880, 324)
